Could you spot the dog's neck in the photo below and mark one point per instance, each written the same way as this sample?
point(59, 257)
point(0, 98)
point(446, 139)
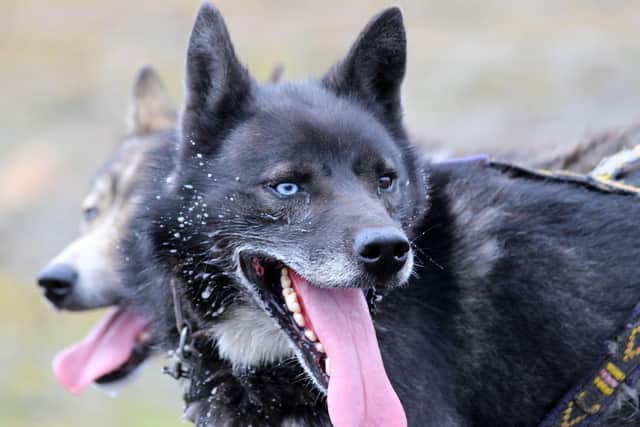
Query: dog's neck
point(217, 393)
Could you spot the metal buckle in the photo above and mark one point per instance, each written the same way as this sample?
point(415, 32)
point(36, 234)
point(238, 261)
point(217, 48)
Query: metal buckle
point(179, 366)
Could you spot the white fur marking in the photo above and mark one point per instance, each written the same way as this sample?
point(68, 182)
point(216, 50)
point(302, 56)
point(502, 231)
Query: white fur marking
point(248, 337)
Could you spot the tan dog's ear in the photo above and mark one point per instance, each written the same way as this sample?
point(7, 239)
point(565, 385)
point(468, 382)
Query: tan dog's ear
point(151, 109)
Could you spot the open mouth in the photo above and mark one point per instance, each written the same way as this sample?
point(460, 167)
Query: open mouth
point(113, 350)
point(276, 289)
point(335, 341)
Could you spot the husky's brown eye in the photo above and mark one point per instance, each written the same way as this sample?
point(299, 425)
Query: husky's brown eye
point(385, 183)
point(90, 213)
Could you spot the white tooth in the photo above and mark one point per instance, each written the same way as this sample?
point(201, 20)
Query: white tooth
point(310, 334)
point(299, 318)
point(319, 347)
point(285, 282)
point(327, 366)
point(288, 291)
point(284, 272)
point(294, 307)
point(291, 297)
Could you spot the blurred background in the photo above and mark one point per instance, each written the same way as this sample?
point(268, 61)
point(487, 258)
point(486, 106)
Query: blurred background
point(519, 78)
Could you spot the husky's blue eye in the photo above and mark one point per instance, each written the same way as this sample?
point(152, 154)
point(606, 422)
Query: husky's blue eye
point(287, 189)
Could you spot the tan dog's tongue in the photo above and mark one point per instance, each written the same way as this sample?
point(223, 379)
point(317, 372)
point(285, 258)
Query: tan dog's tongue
point(106, 348)
point(360, 393)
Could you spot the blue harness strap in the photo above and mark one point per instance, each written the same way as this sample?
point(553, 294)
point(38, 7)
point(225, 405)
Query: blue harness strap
point(464, 161)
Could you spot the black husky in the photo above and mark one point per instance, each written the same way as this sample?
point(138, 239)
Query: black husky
point(288, 204)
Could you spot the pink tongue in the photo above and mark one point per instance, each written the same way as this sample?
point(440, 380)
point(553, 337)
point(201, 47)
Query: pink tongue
point(106, 348)
point(360, 393)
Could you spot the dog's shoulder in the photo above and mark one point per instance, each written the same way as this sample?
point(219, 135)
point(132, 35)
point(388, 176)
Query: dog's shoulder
point(532, 275)
point(498, 220)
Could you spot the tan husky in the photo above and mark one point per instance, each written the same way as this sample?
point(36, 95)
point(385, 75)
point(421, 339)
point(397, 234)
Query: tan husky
point(84, 275)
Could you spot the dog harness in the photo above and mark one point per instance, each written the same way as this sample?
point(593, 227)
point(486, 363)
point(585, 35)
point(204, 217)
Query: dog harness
point(607, 182)
point(619, 370)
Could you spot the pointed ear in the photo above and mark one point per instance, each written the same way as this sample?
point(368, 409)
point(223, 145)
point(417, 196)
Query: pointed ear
point(151, 109)
point(217, 86)
point(276, 74)
point(373, 70)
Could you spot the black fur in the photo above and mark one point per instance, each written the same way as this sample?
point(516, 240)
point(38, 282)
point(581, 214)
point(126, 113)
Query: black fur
point(504, 345)
point(516, 286)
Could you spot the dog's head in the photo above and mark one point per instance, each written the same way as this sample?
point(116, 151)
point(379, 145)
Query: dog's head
point(301, 195)
point(85, 274)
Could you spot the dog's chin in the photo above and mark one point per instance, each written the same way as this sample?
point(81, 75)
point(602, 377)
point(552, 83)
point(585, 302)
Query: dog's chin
point(247, 337)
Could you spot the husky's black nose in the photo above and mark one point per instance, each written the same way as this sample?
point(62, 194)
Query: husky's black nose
point(382, 251)
point(57, 281)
